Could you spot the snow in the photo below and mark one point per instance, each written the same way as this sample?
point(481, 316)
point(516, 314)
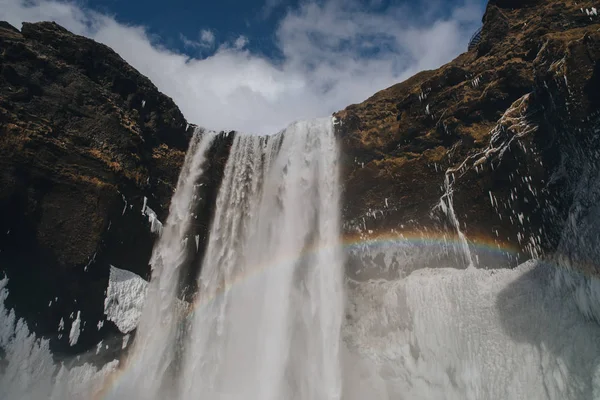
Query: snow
point(124, 207)
point(91, 260)
point(469, 334)
point(75, 330)
point(125, 341)
point(155, 224)
point(28, 370)
point(124, 299)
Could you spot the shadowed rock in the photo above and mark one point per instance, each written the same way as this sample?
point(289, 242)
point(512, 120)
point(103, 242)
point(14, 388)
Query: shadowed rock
point(83, 139)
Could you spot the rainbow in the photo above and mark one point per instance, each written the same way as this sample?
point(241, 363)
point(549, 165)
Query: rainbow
point(416, 240)
point(407, 240)
point(426, 239)
point(411, 241)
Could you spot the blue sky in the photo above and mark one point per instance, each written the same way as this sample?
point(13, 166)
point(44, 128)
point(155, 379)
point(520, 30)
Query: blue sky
point(258, 65)
point(226, 19)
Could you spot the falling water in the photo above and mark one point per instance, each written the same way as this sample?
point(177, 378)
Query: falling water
point(447, 206)
point(154, 349)
point(266, 321)
point(270, 321)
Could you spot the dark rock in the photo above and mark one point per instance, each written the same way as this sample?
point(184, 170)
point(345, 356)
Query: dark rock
point(83, 139)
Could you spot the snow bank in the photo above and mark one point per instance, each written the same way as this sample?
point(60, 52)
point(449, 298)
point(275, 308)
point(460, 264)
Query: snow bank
point(124, 299)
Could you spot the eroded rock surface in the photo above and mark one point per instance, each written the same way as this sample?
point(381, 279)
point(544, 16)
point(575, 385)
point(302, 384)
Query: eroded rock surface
point(83, 139)
point(510, 125)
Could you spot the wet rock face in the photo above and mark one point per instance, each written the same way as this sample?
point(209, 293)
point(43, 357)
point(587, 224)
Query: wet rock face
point(511, 126)
point(83, 139)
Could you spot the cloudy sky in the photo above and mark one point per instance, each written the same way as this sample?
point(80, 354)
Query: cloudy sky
point(257, 65)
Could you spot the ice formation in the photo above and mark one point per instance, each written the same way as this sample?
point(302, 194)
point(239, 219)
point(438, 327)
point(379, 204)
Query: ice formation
point(75, 330)
point(29, 371)
point(124, 299)
point(155, 225)
point(469, 334)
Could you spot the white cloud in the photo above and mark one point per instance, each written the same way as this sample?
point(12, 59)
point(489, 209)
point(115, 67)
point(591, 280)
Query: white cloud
point(207, 37)
point(187, 42)
point(330, 59)
point(240, 42)
point(206, 40)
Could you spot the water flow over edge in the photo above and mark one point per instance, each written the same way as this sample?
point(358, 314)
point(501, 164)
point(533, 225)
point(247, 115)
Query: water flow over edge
point(267, 321)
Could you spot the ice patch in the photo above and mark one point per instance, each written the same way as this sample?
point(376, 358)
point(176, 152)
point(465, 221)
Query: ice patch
point(155, 225)
point(124, 207)
point(75, 330)
point(125, 341)
point(27, 368)
point(469, 334)
point(124, 298)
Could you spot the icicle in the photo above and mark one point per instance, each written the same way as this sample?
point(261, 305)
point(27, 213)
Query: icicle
point(75, 331)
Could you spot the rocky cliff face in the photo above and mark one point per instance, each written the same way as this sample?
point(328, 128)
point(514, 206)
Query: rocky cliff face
point(493, 143)
point(84, 138)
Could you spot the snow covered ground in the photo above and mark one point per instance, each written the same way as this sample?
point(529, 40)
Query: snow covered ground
point(437, 333)
point(470, 334)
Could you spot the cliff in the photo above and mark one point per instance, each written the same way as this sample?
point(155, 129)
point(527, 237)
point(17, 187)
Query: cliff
point(84, 138)
point(493, 143)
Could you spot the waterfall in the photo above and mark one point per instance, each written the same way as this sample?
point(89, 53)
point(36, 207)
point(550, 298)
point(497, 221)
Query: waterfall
point(265, 323)
point(270, 319)
point(154, 349)
point(447, 206)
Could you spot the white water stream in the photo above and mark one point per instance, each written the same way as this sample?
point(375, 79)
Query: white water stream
point(271, 320)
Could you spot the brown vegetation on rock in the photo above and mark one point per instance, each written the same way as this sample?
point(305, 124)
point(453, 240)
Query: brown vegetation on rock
point(490, 120)
point(83, 139)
